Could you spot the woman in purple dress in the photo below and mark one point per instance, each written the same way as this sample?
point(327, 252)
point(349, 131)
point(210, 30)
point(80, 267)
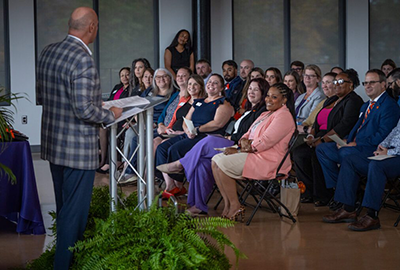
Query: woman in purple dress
point(197, 162)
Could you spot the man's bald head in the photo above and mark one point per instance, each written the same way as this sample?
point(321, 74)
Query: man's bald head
point(245, 67)
point(83, 23)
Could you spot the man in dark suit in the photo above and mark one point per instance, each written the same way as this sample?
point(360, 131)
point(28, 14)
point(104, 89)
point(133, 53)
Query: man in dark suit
point(377, 118)
point(68, 87)
point(234, 84)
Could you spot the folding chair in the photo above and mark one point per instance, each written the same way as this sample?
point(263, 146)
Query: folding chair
point(393, 194)
point(265, 191)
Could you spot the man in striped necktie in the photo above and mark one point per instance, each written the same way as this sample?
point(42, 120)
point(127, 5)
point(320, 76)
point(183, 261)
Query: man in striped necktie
point(378, 117)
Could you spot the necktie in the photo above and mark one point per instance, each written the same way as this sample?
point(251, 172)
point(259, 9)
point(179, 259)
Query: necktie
point(371, 105)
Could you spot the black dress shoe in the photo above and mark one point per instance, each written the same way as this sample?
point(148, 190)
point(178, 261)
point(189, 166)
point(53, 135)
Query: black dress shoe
point(306, 200)
point(341, 216)
point(366, 223)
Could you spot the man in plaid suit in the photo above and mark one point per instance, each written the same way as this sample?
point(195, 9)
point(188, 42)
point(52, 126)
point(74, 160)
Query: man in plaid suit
point(68, 87)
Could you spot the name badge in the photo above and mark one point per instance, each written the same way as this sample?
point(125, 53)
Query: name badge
point(198, 104)
point(115, 91)
point(182, 103)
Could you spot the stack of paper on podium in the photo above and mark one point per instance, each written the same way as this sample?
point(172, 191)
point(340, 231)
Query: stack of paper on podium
point(130, 105)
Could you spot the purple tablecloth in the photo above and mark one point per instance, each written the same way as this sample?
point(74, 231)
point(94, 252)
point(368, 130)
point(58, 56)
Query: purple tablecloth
point(20, 202)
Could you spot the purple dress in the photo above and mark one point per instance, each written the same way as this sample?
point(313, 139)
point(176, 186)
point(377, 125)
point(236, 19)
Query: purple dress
point(197, 165)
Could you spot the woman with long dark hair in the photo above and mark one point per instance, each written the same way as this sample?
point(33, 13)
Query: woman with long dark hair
point(197, 162)
point(179, 53)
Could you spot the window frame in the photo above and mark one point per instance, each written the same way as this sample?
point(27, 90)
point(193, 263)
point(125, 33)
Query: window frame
point(287, 33)
point(96, 43)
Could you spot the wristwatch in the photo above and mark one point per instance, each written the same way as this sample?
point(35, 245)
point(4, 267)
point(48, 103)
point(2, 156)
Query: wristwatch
point(322, 139)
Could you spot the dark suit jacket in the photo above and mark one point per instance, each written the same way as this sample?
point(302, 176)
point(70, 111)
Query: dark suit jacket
point(234, 93)
point(68, 87)
point(343, 116)
point(381, 120)
point(246, 122)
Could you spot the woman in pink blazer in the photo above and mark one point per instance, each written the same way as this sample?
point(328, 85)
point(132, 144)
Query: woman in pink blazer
point(261, 149)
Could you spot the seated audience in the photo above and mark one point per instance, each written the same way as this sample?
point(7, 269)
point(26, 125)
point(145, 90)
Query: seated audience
point(261, 150)
point(329, 91)
point(195, 90)
point(147, 86)
point(209, 116)
point(135, 79)
point(192, 89)
point(393, 84)
point(377, 118)
point(234, 83)
point(197, 162)
point(307, 102)
point(273, 75)
point(337, 70)
point(293, 81)
point(182, 77)
point(338, 116)
point(179, 53)
point(254, 73)
point(203, 68)
point(245, 67)
point(148, 79)
point(377, 171)
point(387, 66)
point(298, 67)
point(120, 90)
point(163, 86)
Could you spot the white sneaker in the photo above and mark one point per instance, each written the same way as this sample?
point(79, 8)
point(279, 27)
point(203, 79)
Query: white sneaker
point(128, 178)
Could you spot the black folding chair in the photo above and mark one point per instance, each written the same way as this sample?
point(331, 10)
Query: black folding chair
point(393, 194)
point(264, 191)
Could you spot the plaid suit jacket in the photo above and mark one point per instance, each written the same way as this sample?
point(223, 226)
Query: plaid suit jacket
point(68, 87)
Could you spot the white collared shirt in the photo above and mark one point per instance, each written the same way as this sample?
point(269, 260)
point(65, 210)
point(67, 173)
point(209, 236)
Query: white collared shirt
point(80, 40)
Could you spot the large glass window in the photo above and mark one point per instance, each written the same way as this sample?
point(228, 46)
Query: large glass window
point(313, 33)
point(384, 32)
point(126, 32)
point(4, 66)
point(52, 20)
point(258, 32)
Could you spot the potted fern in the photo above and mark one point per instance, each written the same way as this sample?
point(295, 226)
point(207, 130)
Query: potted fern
point(156, 239)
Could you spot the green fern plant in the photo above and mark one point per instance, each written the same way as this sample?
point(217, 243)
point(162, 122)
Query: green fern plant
point(154, 239)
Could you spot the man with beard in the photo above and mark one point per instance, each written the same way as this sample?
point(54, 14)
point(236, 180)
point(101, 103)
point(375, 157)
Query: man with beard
point(234, 83)
point(245, 67)
point(393, 84)
point(203, 68)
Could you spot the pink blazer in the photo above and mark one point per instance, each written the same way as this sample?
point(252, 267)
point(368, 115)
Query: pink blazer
point(271, 139)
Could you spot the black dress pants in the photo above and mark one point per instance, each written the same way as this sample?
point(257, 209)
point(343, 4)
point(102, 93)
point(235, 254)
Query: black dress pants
point(310, 172)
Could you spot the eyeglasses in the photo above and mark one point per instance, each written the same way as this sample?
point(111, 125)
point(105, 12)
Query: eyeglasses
point(390, 84)
point(340, 82)
point(162, 77)
point(309, 76)
point(296, 69)
point(370, 83)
